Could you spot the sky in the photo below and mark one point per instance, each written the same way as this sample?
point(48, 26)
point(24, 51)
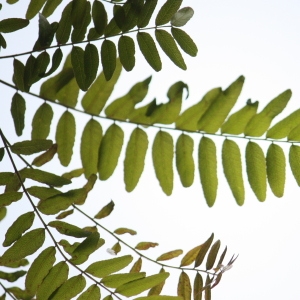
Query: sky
point(257, 39)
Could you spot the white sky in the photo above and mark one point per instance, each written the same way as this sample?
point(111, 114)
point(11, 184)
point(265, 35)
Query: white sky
point(257, 39)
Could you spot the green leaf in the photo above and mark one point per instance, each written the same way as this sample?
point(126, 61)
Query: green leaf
point(259, 124)
point(28, 244)
point(41, 122)
point(138, 286)
point(256, 170)
point(29, 72)
point(149, 50)
point(73, 174)
point(64, 25)
point(169, 46)
point(294, 159)
point(50, 7)
point(55, 278)
point(212, 255)
point(40, 66)
point(135, 158)
point(105, 211)
point(190, 256)
point(119, 15)
point(92, 293)
point(146, 13)
point(232, 165)
point(184, 159)
point(198, 287)
point(68, 229)
point(116, 280)
point(11, 277)
point(184, 41)
point(46, 32)
point(65, 137)
point(238, 121)
point(103, 268)
point(99, 17)
point(169, 255)
point(156, 290)
point(12, 24)
point(18, 77)
point(3, 212)
point(123, 230)
point(18, 107)
point(2, 42)
point(34, 7)
point(162, 155)
point(167, 11)
point(136, 268)
point(182, 16)
point(145, 245)
point(56, 60)
point(207, 288)
point(91, 63)
point(184, 288)
point(217, 112)
point(294, 135)
point(41, 192)
point(2, 152)
point(207, 160)
point(20, 225)
point(39, 269)
point(108, 58)
point(64, 214)
point(31, 146)
point(126, 50)
point(109, 151)
point(45, 157)
point(8, 197)
point(77, 57)
point(276, 169)
point(203, 250)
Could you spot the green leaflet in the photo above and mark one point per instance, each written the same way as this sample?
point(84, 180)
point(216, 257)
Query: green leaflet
point(276, 169)
point(12, 24)
point(198, 287)
point(116, 280)
point(135, 158)
point(29, 72)
point(50, 7)
point(69, 229)
point(18, 107)
point(64, 214)
point(2, 152)
point(259, 124)
point(99, 17)
point(92, 293)
point(184, 41)
point(156, 290)
point(123, 230)
point(73, 173)
point(34, 7)
point(123, 107)
point(31, 146)
point(294, 159)
point(28, 244)
point(55, 278)
point(217, 112)
point(11, 277)
point(149, 50)
point(167, 11)
point(57, 203)
point(97, 95)
point(136, 268)
point(46, 33)
point(126, 50)
point(108, 58)
point(203, 250)
point(13, 185)
point(6, 177)
point(170, 255)
point(18, 76)
point(162, 155)
point(184, 288)
point(64, 25)
point(138, 286)
point(212, 255)
point(237, 122)
point(2, 42)
point(3, 212)
point(190, 256)
point(169, 46)
point(45, 157)
point(184, 159)
point(189, 118)
point(8, 197)
point(39, 269)
point(20, 225)
point(105, 211)
point(181, 17)
point(70, 288)
point(232, 166)
point(109, 151)
point(103, 268)
point(284, 127)
point(77, 58)
point(65, 137)
point(146, 13)
point(145, 245)
point(256, 170)
point(42, 192)
point(207, 161)
point(208, 288)
point(91, 64)
point(89, 147)
point(294, 135)
point(56, 60)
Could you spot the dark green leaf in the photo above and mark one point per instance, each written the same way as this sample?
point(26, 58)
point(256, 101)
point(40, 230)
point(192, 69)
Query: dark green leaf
point(34, 7)
point(108, 58)
point(91, 63)
point(8, 197)
point(3, 212)
point(81, 18)
point(77, 57)
point(203, 250)
point(18, 107)
point(12, 24)
point(50, 7)
point(99, 17)
point(41, 122)
point(2, 42)
point(29, 72)
point(56, 60)
point(126, 50)
point(167, 11)
point(184, 41)
point(119, 15)
point(41, 192)
point(18, 77)
point(65, 25)
point(46, 32)
point(146, 13)
point(31, 146)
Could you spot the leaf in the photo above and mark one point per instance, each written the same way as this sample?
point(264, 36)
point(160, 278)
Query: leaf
point(92, 293)
point(108, 58)
point(91, 64)
point(42, 192)
point(8, 197)
point(149, 50)
point(116, 280)
point(294, 135)
point(3, 212)
point(156, 290)
point(203, 250)
point(16, 264)
point(169, 255)
point(208, 288)
point(184, 159)
point(198, 287)
point(11, 277)
point(145, 245)
point(20, 225)
point(34, 7)
point(135, 158)
point(31, 146)
point(68, 229)
point(105, 211)
point(90, 182)
point(126, 50)
point(190, 256)
point(18, 76)
point(256, 170)
point(232, 165)
point(294, 159)
point(2, 152)
point(109, 151)
point(28, 244)
point(116, 248)
point(12, 24)
point(259, 124)
point(276, 169)
point(50, 7)
point(39, 269)
point(99, 17)
point(212, 255)
point(182, 16)
point(167, 11)
point(55, 278)
point(138, 286)
point(56, 60)
point(65, 137)
point(146, 13)
point(18, 107)
point(217, 112)
point(123, 230)
point(46, 32)
point(137, 266)
point(64, 214)
point(2, 42)
point(184, 41)
point(208, 169)
point(73, 174)
point(184, 288)
point(45, 157)
point(103, 268)
point(64, 25)
point(77, 57)
point(169, 46)
point(41, 122)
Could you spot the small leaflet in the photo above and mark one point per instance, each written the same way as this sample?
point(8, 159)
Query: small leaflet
point(190, 256)
point(105, 211)
point(182, 16)
point(169, 255)
point(203, 250)
point(69, 229)
point(184, 288)
point(45, 157)
point(116, 280)
point(92, 293)
point(123, 230)
point(64, 214)
point(145, 245)
point(167, 11)
point(18, 107)
point(212, 255)
point(137, 266)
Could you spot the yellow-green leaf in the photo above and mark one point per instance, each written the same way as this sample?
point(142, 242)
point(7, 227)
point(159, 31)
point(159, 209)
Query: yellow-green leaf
point(190, 256)
point(170, 255)
point(137, 266)
point(41, 122)
point(145, 245)
point(74, 173)
point(8, 197)
point(11, 277)
point(69, 229)
point(116, 280)
point(45, 157)
point(92, 293)
point(123, 230)
point(3, 212)
point(167, 11)
point(184, 288)
point(294, 159)
point(156, 290)
point(256, 170)
point(31, 146)
point(105, 211)
point(64, 214)
point(212, 255)
point(41, 192)
point(198, 286)
point(203, 250)
point(18, 107)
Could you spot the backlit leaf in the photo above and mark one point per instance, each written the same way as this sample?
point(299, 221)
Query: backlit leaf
point(145, 245)
point(116, 248)
point(64, 214)
point(116, 280)
point(294, 159)
point(92, 293)
point(105, 211)
point(31, 146)
point(184, 41)
point(18, 76)
point(50, 7)
point(182, 16)
point(68, 229)
point(146, 13)
point(99, 17)
point(18, 107)
point(73, 173)
point(126, 50)
point(294, 135)
point(156, 290)
point(45, 157)
point(169, 255)
point(184, 288)
point(34, 7)
point(65, 25)
point(46, 32)
point(3, 212)
point(11, 277)
point(12, 24)
point(212, 255)
point(56, 60)
point(137, 266)
point(41, 192)
point(8, 197)
point(123, 230)
point(91, 64)
point(190, 256)
point(203, 250)
point(108, 58)
point(198, 286)
point(167, 11)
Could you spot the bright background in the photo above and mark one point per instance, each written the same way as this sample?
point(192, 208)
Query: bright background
point(257, 39)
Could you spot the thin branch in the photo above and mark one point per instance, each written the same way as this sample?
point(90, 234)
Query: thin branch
point(7, 291)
